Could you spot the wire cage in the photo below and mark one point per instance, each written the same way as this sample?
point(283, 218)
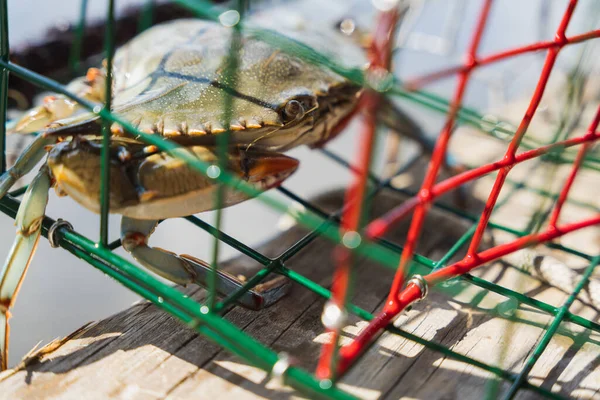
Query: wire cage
point(349, 227)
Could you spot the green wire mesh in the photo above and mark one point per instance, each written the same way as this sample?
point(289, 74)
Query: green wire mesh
point(206, 318)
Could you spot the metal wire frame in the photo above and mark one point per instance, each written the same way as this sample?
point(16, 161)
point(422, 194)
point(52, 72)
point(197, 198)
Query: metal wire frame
point(401, 297)
point(206, 319)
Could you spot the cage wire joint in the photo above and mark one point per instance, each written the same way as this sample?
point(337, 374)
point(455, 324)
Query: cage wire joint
point(60, 223)
point(421, 283)
point(334, 316)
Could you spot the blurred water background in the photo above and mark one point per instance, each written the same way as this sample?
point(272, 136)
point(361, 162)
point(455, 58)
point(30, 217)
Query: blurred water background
point(60, 292)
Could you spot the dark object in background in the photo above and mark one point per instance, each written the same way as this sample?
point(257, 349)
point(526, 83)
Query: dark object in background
point(50, 56)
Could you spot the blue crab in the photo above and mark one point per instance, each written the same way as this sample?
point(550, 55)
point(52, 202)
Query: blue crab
point(169, 81)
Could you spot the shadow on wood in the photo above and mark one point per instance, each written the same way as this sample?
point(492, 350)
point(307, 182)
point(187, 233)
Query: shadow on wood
point(144, 353)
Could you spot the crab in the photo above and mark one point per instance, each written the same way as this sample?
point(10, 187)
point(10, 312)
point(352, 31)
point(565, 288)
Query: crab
point(170, 81)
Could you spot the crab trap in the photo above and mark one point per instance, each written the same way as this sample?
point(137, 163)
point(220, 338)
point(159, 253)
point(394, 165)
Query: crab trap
point(197, 114)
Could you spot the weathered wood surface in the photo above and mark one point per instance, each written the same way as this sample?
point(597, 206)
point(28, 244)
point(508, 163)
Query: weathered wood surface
point(143, 353)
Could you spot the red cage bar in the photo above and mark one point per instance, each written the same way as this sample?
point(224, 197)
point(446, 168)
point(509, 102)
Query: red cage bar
point(380, 56)
point(399, 298)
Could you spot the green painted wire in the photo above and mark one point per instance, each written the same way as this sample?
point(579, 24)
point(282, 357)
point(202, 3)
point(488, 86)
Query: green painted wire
point(465, 215)
point(484, 284)
point(205, 9)
point(147, 16)
point(107, 116)
point(213, 326)
point(462, 241)
point(367, 316)
point(109, 49)
point(90, 254)
point(4, 53)
point(225, 238)
point(276, 266)
point(271, 265)
point(316, 291)
point(230, 74)
point(386, 258)
point(497, 129)
point(100, 259)
point(75, 51)
point(375, 251)
point(545, 340)
point(545, 193)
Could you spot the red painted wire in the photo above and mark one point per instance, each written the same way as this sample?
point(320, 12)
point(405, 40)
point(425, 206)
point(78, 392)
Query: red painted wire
point(437, 158)
point(350, 223)
point(418, 83)
point(576, 166)
point(560, 40)
point(380, 59)
point(412, 293)
point(399, 300)
point(565, 190)
point(381, 225)
point(470, 262)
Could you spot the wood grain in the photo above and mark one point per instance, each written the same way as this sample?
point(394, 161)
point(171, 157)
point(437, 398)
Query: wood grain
point(143, 353)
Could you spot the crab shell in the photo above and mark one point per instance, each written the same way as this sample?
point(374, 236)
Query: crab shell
point(170, 80)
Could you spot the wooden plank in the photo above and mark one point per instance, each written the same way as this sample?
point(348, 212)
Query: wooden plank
point(142, 353)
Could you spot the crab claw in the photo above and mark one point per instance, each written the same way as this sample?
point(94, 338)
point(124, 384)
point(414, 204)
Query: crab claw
point(159, 185)
point(266, 169)
point(184, 269)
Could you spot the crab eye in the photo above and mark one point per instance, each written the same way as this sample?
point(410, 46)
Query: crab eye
point(294, 110)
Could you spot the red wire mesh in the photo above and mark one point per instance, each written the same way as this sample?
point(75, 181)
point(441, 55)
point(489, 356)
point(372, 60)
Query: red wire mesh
point(380, 56)
point(332, 363)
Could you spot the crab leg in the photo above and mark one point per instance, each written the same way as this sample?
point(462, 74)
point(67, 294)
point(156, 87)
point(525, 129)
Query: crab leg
point(28, 222)
point(54, 108)
point(25, 163)
point(184, 269)
point(58, 107)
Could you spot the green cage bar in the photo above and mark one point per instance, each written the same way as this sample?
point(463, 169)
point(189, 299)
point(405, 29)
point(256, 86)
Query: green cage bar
point(206, 320)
